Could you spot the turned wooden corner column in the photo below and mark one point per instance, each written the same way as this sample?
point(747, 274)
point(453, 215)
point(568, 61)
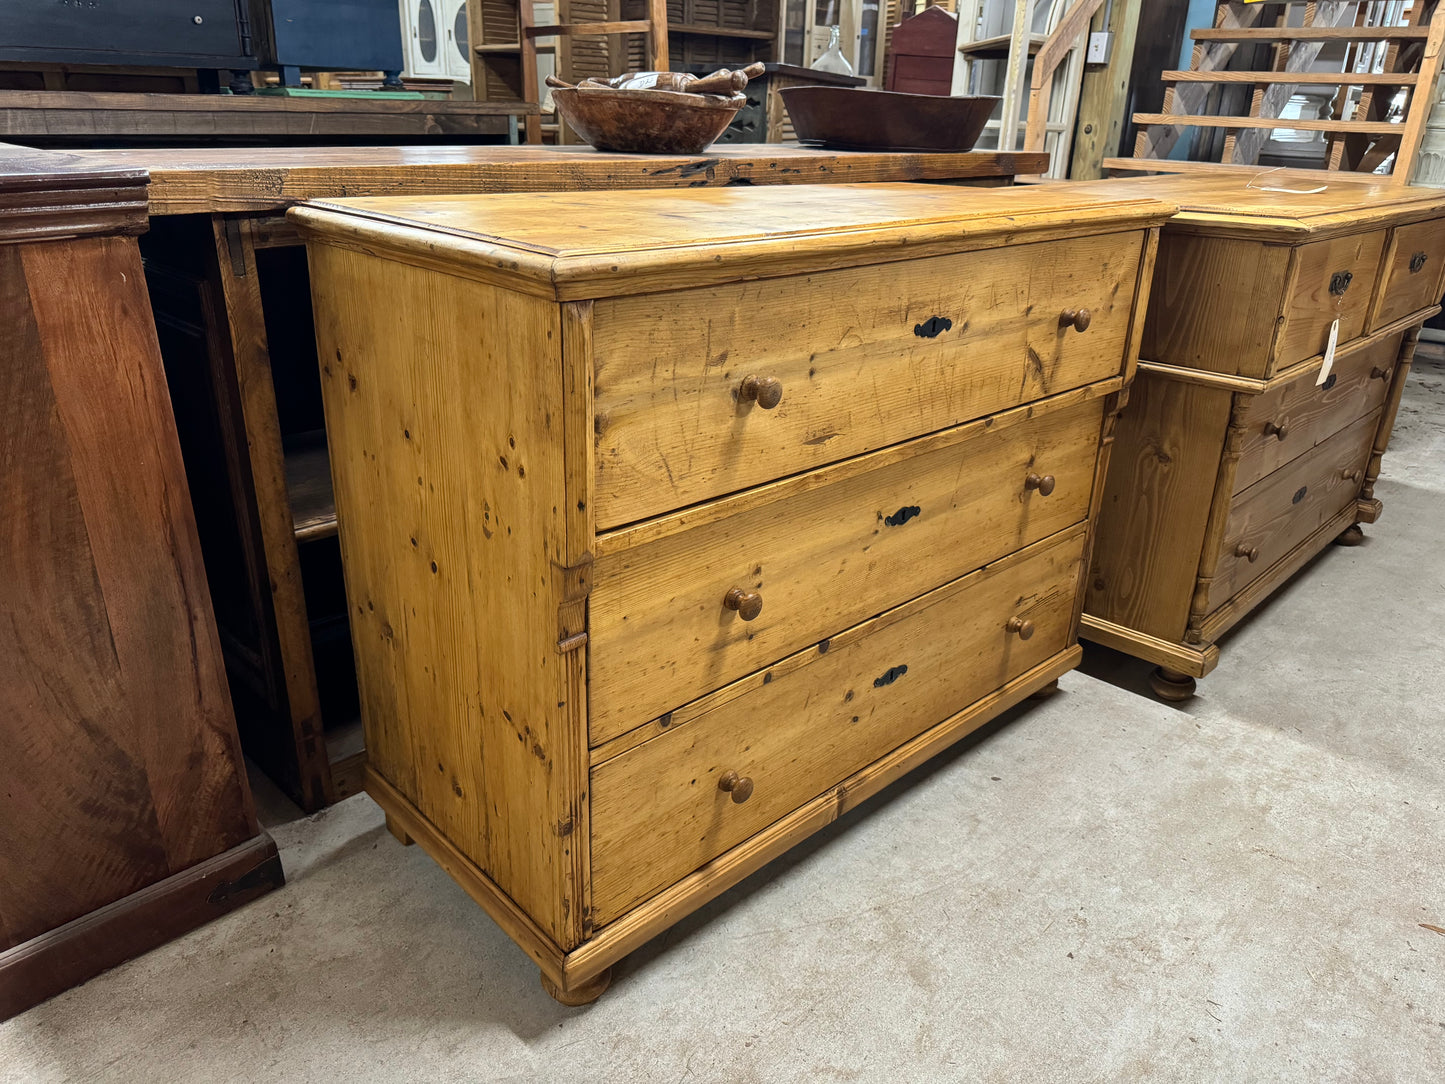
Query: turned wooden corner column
point(125, 815)
point(1369, 506)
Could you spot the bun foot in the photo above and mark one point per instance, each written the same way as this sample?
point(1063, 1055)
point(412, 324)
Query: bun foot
point(1171, 685)
point(394, 827)
point(1045, 692)
point(1350, 536)
point(582, 994)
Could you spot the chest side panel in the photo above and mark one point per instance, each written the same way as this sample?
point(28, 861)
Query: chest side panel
point(1157, 498)
point(444, 408)
point(1215, 303)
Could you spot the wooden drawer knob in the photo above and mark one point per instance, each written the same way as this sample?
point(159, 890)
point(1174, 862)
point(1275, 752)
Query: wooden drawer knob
point(1355, 476)
point(1043, 483)
point(1078, 319)
point(766, 391)
point(748, 604)
point(1025, 629)
point(1381, 374)
point(739, 786)
point(1276, 429)
point(1248, 552)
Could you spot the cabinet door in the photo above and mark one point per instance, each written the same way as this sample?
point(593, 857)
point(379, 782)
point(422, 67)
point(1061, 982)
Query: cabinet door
point(424, 38)
point(456, 49)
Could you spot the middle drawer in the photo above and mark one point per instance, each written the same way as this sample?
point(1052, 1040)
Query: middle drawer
point(1285, 422)
point(821, 553)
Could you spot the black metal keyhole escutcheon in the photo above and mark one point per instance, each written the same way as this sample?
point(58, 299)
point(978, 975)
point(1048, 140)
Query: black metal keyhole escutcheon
point(1299, 494)
point(1417, 262)
point(1340, 282)
point(933, 327)
point(889, 676)
point(1330, 381)
point(902, 516)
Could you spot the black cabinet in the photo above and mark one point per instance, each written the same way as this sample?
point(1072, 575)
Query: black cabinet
point(322, 35)
point(158, 33)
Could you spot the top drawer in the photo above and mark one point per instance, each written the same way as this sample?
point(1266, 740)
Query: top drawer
point(1252, 308)
point(862, 358)
point(1414, 262)
point(1334, 280)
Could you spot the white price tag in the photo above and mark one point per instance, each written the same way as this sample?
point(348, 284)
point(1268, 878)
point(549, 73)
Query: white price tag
point(1329, 353)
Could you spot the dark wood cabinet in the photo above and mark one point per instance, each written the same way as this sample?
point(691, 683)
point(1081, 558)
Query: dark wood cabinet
point(125, 814)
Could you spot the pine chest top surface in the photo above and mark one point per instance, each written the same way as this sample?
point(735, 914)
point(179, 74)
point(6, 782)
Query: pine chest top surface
point(1282, 204)
point(590, 244)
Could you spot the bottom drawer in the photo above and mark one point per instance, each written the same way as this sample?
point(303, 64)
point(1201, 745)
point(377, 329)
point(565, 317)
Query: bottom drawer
point(1280, 511)
point(792, 731)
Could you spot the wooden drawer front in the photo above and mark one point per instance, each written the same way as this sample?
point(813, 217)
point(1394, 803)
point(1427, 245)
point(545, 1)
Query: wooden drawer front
point(813, 719)
point(824, 556)
point(1333, 278)
point(1278, 513)
point(1414, 264)
point(863, 358)
point(1285, 423)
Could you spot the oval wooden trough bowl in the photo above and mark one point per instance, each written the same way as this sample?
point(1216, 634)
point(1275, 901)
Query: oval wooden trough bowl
point(861, 119)
point(647, 121)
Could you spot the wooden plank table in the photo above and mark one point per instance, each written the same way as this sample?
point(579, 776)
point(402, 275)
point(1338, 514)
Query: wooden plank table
point(268, 180)
point(232, 299)
point(125, 813)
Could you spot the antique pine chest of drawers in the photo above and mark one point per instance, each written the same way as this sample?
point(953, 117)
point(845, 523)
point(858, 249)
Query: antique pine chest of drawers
point(1282, 321)
point(675, 524)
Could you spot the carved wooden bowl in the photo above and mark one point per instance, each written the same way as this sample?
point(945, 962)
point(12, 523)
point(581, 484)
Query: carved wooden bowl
point(647, 121)
point(865, 119)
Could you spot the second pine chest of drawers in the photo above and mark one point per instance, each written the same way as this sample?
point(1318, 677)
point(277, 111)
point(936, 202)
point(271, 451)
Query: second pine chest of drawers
point(676, 524)
point(1281, 326)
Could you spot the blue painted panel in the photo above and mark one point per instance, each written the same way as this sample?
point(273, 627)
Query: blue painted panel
point(337, 35)
point(1201, 16)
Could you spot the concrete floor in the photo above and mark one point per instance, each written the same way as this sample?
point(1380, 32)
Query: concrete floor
point(1102, 888)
